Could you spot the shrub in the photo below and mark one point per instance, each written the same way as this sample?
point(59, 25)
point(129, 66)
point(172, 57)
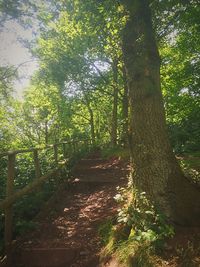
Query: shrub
point(140, 230)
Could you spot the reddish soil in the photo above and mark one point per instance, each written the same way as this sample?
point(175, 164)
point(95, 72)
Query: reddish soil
point(68, 228)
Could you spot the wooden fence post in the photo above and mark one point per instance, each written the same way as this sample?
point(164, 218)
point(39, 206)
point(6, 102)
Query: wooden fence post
point(55, 148)
point(36, 163)
point(8, 210)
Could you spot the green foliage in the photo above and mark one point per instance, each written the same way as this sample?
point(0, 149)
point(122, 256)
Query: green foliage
point(71, 97)
point(188, 255)
point(140, 230)
point(27, 207)
point(117, 151)
point(135, 254)
point(23, 226)
point(71, 93)
point(7, 75)
point(146, 222)
point(180, 79)
point(105, 231)
point(190, 166)
point(20, 10)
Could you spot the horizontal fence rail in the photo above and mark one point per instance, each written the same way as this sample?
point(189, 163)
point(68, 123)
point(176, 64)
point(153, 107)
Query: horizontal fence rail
point(20, 151)
point(12, 196)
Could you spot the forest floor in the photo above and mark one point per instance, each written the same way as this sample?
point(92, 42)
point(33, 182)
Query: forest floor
point(67, 229)
point(67, 232)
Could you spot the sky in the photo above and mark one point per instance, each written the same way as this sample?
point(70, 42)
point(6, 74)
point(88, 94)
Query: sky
point(13, 52)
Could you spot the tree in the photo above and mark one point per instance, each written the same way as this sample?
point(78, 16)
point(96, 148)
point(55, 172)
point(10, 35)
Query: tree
point(20, 10)
point(7, 75)
point(155, 169)
point(70, 51)
point(180, 79)
point(80, 56)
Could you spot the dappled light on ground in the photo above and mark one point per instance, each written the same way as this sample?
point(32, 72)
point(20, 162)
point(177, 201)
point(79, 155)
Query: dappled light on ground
point(73, 220)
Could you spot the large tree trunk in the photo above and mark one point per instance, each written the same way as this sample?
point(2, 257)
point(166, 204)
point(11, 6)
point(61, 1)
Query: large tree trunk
point(155, 169)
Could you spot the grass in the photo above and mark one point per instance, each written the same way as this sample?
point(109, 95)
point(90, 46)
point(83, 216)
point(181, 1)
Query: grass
point(193, 163)
point(191, 160)
point(188, 255)
point(131, 253)
point(138, 232)
point(105, 231)
point(118, 151)
point(134, 254)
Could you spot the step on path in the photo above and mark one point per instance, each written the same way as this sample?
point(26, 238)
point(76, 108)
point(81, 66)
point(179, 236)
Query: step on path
point(67, 231)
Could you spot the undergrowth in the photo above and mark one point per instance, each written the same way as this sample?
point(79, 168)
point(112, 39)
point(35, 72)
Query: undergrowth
point(117, 151)
point(191, 168)
point(27, 207)
point(138, 233)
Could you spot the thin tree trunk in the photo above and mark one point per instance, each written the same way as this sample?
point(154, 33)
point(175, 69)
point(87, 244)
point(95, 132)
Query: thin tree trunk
point(46, 133)
point(92, 125)
point(125, 107)
point(92, 128)
point(98, 128)
point(115, 104)
point(155, 169)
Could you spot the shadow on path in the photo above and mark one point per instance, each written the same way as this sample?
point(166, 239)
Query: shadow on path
point(67, 232)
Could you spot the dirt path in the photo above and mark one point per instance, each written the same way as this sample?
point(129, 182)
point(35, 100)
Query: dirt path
point(67, 232)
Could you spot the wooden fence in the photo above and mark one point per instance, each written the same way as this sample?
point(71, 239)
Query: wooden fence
point(12, 196)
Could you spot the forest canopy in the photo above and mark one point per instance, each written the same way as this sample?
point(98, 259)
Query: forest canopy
point(80, 88)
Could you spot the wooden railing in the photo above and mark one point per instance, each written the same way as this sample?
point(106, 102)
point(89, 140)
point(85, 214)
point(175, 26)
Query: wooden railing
point(12, 196)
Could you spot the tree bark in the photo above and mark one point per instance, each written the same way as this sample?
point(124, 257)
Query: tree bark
point(46, 133)
point(115, 104)
point(92, 124)
point(91, 120)
point(125, 110)
point(154, 166)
